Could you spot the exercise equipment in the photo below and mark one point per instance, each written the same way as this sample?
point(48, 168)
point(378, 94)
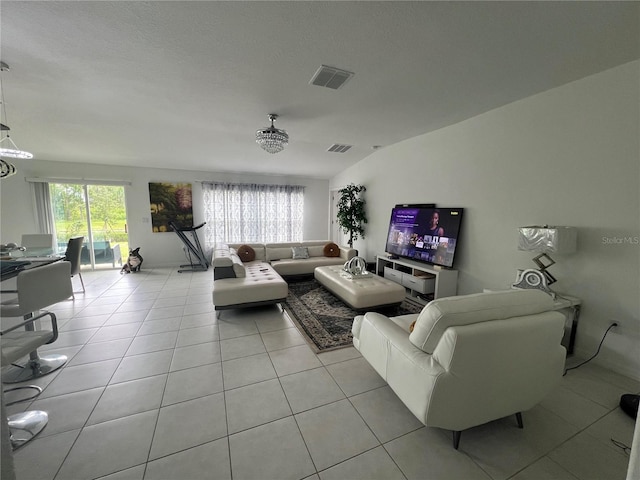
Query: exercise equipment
point(192, 247)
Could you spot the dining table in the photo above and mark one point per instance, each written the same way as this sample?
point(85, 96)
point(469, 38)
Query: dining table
point(12, 265)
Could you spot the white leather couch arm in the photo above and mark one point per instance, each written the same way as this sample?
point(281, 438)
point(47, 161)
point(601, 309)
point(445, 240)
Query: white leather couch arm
point(409, 371)
point(347, 253)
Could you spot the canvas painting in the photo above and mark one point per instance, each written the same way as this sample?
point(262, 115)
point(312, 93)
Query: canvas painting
point(170, 202)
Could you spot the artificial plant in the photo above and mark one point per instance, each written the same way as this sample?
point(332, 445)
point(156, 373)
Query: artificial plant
point(351, 214)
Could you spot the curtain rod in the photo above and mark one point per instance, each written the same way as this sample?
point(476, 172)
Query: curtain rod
point(77, 181)
point(245, 184)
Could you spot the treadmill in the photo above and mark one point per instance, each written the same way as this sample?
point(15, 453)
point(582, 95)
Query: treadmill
point(195, 254)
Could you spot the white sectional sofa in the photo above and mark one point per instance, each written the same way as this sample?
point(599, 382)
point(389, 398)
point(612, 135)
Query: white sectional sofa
point(281, 258)
point(256, 278)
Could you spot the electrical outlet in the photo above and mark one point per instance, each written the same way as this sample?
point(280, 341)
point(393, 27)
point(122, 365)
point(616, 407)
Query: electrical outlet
point(615, 323)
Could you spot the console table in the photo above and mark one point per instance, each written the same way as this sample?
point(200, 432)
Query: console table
point(424, 281)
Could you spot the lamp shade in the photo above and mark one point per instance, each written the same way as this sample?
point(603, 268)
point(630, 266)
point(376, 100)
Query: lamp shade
point(548, 239)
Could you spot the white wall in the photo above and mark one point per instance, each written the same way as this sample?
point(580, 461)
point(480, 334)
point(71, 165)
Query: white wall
point(158, 249)
point(568, 156)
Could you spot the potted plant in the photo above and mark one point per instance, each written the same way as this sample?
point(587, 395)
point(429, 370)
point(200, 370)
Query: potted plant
point(351, 215)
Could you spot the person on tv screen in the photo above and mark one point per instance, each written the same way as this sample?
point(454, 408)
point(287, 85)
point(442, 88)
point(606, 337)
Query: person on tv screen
point(434, 229)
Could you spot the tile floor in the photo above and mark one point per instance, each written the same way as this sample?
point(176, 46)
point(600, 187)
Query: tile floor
point(157, 388)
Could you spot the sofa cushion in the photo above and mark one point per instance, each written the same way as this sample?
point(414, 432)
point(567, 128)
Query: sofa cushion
point(246, 253)
point(298, 253)
point(315, 251)
point(222, 256)
point(331, 250)
point(261, 284)
point(258, 248)
point(446, 312)
point(278, 253)
point(238, 267)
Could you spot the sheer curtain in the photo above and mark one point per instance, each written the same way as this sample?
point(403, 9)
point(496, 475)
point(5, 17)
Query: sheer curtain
point(42, 205)
point(252, 213)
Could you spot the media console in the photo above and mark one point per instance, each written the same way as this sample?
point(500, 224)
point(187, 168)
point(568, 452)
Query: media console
point(424, 282)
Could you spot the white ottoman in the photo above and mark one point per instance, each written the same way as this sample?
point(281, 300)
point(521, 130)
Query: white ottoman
point(360, 293)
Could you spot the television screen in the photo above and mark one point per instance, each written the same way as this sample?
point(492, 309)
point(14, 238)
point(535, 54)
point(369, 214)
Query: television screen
point(425, 234)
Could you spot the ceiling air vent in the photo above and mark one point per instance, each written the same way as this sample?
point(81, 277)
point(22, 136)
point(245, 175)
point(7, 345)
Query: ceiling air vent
point(337, 148)
point(330, 77)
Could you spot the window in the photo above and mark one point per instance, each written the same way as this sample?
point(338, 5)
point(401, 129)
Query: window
point(252, 213)
point(93, 210)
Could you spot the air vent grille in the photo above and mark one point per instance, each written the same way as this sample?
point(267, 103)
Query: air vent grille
point(337, 148)
point(330, 77)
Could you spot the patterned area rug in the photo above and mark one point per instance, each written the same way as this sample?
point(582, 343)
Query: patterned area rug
point(324, 319)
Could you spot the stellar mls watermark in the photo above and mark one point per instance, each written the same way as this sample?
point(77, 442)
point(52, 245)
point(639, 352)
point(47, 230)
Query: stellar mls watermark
point(629, 240)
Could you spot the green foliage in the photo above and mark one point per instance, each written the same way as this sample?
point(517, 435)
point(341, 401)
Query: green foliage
point(108, 215)
point(170, 202)
point(351, 214)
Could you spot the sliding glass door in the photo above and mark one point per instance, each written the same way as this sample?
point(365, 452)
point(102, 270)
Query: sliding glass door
point(98, 213)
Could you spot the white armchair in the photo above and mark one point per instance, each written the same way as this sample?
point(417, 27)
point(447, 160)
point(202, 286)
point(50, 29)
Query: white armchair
point(470, 359)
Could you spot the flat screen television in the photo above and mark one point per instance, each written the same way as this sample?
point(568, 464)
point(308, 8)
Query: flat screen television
point(425, 234)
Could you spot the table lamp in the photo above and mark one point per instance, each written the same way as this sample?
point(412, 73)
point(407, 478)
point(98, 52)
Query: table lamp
point(545, 239)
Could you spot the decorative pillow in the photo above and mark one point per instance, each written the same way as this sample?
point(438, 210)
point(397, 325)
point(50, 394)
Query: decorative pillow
point(331, 250)
point(246, 253)
point(300, 252)
point(412, 326)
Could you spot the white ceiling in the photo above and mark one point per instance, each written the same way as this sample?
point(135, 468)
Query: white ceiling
point(186, 84)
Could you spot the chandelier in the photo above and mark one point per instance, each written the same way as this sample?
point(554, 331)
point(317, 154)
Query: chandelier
point(14, 152)
point(272, 139)
point(7, 169)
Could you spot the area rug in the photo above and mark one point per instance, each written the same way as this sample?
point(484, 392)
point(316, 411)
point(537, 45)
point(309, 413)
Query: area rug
point(324, 319)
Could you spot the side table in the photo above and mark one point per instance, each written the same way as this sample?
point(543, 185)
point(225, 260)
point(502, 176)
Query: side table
point(570, 307)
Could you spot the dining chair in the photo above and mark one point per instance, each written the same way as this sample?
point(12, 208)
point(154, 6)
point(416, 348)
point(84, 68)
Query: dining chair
point(37, 241)
point(37, 288)
point(72, 255)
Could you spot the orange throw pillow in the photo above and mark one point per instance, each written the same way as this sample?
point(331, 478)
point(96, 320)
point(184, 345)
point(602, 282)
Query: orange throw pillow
point(246, 253)
point(331, 250)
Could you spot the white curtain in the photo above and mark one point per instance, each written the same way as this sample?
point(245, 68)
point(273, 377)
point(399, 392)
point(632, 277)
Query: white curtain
point(42, 203)
point(237, 213)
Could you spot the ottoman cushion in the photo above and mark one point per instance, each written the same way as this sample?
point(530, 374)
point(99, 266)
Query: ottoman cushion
point(360, 293)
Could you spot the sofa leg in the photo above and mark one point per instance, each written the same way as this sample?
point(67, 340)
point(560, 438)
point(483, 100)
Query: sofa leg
point(456, 439)
point(519, 419)
point(218, 313)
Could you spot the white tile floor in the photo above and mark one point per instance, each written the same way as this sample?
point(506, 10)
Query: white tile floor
point(157, 388)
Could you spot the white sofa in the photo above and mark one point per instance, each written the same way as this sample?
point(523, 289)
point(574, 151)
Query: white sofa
point(244, 284)
point(280, 256)
point(470, 359)
point(239, 283)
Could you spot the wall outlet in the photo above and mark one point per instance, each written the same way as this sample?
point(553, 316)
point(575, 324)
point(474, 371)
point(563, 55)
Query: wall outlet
point(616, 324)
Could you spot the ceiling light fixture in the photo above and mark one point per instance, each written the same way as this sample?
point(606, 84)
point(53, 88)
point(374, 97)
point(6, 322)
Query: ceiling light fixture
point(13, 151)
point(272, 139)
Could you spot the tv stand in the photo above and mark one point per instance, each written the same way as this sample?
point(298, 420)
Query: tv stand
point(422, 280)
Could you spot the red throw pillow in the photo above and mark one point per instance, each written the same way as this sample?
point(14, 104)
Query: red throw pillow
point(331, 250)
point(246, 253)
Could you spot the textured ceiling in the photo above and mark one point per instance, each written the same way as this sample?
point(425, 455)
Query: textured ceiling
point(186, 84)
